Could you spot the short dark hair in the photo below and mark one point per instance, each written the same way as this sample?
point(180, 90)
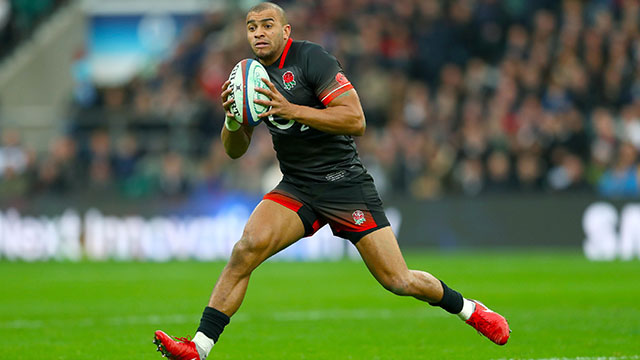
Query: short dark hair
point(269, 5)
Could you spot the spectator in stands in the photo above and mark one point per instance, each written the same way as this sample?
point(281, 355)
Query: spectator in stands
point(499, 173)
point(622, 178)
point(99, 162)
point(172, 180)
point(126, 157)
point(13, 157)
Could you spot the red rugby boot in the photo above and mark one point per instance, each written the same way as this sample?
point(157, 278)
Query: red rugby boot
point(490, 324)
point(176, 348)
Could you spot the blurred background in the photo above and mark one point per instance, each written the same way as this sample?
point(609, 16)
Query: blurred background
point(490, 123)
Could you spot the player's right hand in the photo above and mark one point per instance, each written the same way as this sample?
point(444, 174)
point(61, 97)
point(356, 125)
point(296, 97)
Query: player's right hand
point(226, 104)
point(230, 122)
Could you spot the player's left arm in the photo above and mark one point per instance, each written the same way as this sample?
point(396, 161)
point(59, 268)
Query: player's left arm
point(342, 116)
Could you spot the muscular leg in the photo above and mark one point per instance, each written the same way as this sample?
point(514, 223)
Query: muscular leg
point(381, 254)
point(271, 228)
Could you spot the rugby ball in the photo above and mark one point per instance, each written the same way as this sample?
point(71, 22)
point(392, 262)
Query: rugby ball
point(244, 78)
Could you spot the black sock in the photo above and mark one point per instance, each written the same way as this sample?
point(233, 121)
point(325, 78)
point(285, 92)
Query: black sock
point(212, 323)
point(451, 300)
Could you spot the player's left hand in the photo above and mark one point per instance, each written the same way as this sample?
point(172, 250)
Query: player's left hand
point(280, 106)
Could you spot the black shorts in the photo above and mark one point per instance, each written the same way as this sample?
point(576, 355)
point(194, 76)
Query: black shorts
point(351, 207)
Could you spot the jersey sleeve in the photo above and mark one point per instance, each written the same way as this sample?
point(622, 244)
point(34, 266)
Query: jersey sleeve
point(325, 75)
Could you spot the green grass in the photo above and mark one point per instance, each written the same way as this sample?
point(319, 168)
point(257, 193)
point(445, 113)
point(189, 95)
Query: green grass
point(558, 305)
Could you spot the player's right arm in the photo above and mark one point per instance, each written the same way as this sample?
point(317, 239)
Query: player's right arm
point(235, 137)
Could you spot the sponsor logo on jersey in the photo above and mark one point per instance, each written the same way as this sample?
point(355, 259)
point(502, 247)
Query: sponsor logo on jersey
point(358, 217)
point(288, 80)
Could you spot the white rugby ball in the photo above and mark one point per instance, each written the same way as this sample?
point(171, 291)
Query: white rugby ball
point(245, 77)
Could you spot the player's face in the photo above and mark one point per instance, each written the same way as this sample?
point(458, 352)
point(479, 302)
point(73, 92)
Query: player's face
point(267, 35)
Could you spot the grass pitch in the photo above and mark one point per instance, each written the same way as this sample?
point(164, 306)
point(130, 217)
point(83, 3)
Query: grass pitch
point(559, 305)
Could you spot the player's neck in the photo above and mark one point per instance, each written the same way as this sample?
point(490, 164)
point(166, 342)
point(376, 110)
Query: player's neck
point(267, 62)
point(275, 57)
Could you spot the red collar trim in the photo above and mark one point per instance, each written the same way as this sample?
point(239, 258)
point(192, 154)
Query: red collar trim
point(284, 53)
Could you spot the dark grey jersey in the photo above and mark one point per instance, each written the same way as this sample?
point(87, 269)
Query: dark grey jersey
point(307, 75)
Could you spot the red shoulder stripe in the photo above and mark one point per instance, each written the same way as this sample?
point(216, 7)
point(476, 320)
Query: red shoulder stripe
point(284, 53)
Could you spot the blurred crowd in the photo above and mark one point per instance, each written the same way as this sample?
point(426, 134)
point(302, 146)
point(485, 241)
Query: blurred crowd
point(461, 97)
point(19, 19)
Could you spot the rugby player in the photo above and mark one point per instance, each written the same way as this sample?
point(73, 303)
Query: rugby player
point(314, 113)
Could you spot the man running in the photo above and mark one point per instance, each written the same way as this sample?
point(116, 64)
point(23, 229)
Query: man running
point(314, 113)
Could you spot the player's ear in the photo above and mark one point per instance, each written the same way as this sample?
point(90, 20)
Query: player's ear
point(286, 32)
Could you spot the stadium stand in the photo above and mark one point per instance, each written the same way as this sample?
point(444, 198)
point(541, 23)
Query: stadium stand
point(19, 19)
point(461, 97)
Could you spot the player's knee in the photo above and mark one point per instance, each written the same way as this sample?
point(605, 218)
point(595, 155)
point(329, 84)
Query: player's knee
point(251, 249)
point(397, 284)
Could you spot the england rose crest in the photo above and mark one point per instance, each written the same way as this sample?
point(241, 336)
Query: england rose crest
point(288, 80)
point(358, 217)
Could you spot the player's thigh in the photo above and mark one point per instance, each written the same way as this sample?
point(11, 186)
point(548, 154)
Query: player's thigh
point(382, 255)
point(270, 228)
